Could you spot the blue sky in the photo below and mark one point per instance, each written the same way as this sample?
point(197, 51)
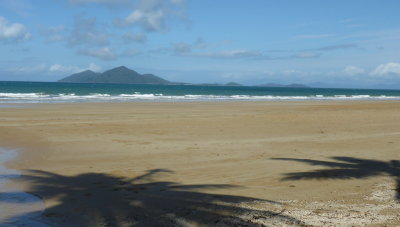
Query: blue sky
point(353, 43)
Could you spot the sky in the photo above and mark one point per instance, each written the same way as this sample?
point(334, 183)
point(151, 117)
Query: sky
point(341, 43)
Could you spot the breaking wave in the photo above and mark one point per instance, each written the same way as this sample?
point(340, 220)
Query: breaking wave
point(59, 98)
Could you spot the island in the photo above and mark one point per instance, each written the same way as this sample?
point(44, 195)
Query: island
point(119, 75)
point(124, 75)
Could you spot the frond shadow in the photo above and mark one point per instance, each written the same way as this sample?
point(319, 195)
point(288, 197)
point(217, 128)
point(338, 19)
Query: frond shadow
point(347, 168)
point(93, 199)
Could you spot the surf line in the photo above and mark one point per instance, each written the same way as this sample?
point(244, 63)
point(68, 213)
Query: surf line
point(17, 208)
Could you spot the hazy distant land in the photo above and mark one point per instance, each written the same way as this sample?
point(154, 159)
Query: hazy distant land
point(124, 75)
point(121, 75)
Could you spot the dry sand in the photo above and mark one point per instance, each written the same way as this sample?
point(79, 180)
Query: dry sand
point(202, 164)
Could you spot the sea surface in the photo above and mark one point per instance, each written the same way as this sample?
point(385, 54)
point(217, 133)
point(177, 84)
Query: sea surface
point(54, 92)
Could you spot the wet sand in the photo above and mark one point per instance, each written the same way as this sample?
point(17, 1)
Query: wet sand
point(221, 163)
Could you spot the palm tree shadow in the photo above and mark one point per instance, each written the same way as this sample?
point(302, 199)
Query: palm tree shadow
point(348, 168)
point(94, 199)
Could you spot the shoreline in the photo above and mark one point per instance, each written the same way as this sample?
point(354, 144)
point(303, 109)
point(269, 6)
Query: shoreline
point(24, 105)
point(183, 99)
point(18, 207)
point(245, 149)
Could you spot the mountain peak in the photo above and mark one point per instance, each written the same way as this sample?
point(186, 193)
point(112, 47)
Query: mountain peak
point(118, 75)
point(87, 71)
point(119, 69)
point(122, 67)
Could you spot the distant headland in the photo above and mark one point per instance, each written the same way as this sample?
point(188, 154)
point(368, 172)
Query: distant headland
point(119, 75)
point(124, 75)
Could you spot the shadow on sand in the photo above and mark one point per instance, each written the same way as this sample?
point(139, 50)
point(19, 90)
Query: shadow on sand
point(97, 199)
point(348, 168)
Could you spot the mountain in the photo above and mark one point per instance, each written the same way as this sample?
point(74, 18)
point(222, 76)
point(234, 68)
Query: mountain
point(232, 84)
point(119, 75)
point(297, 85)
point(217, 84)
point(87, 76)
point(281, 85)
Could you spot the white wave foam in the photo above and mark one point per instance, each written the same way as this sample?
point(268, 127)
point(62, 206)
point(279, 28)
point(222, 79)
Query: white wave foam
point(22, 95)
point(40, 97)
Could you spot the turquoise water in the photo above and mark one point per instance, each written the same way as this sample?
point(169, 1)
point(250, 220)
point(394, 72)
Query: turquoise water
point(33, 92)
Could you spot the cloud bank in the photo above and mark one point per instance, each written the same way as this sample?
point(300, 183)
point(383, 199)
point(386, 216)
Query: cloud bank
point(13, 32)
point(152, 15)
point(390, 68)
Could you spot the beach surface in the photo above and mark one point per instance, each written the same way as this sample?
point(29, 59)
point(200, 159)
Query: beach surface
point(209, 163)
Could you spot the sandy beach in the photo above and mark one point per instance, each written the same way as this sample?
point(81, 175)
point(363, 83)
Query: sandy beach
point(309, 163)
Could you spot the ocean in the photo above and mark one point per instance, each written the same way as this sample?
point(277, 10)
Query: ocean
point(54, 92)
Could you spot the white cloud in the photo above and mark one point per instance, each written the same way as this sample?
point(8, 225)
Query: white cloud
point(13, 32)
point(151, 20)
point(92, 66)
point(386, 69)
point(104, 53)
point(152, 15)
point(56, 67)
point(353, 70)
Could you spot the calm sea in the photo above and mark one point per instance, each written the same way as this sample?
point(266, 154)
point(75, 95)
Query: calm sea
point(38, 92)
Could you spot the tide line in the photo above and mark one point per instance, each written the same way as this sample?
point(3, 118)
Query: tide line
point(17, 208)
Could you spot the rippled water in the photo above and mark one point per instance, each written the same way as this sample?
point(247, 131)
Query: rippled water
point(36, 92)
